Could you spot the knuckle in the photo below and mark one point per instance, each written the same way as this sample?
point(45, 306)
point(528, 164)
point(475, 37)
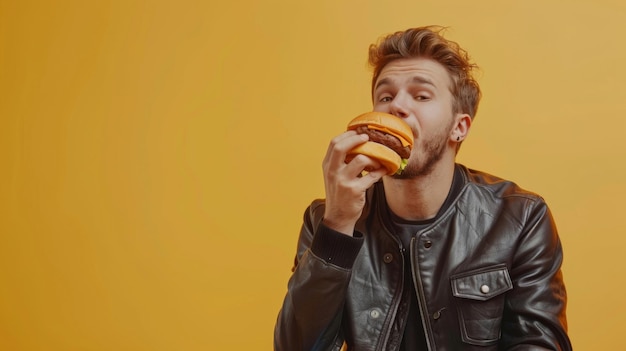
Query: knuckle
point(360, 159)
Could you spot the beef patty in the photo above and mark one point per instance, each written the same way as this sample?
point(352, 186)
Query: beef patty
point(386, 139)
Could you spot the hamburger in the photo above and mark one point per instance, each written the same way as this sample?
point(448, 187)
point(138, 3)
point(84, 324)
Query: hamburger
point(390, 140)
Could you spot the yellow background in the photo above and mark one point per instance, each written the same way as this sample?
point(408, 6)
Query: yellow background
point(156, 156)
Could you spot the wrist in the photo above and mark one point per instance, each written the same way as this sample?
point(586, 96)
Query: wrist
point(336, 248)
point(343, 227)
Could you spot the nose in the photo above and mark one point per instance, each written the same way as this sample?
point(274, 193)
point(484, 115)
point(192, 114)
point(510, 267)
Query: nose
point(397, 107)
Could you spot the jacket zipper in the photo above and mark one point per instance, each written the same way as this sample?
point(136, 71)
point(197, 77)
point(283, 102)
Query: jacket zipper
point(419, 289)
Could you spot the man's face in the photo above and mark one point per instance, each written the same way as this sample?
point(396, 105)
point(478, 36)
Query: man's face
point(417, 90)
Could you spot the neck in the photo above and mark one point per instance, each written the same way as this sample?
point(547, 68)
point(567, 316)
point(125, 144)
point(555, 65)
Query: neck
point(419, 198)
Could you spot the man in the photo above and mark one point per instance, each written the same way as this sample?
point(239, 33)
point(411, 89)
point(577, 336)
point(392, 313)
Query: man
point(439, 258)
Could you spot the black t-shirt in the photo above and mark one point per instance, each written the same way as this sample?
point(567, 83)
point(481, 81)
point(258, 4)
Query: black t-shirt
point(414, 338)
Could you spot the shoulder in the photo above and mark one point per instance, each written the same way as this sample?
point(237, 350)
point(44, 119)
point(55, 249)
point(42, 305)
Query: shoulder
point(496, 195)
point(496, 186)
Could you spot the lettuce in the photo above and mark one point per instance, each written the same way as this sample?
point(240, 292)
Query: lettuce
point(403, 164)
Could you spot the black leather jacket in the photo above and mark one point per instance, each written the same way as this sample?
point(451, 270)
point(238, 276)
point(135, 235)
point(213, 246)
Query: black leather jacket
point(487, 276)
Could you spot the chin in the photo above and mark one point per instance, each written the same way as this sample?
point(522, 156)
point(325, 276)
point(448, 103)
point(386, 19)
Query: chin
point(417, 168)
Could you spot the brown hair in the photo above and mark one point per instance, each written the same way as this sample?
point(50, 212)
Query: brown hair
point(427, 42)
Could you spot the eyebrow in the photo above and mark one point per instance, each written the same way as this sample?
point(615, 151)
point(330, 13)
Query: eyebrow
point(416, 79)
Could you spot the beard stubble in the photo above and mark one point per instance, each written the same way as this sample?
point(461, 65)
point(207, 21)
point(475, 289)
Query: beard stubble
point(424, 162)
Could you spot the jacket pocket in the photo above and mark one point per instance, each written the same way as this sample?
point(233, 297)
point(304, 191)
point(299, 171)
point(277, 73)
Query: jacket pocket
point(480, 303)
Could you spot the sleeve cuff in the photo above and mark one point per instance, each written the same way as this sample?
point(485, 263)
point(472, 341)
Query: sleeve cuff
point(336, 248)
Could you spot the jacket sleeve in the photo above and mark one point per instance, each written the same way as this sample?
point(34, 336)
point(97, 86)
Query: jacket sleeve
point(534, 316)
point(310, 317)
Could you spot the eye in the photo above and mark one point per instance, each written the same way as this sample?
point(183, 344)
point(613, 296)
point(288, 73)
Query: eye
point(385, 99)
point(422, 97)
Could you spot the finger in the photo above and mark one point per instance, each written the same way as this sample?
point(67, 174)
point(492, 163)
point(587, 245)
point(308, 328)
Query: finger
point(360, 163)
point(339, 139)
point(340, 145)
point(368, 179)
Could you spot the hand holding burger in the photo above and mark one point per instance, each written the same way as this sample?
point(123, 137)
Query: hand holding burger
point(388, 146)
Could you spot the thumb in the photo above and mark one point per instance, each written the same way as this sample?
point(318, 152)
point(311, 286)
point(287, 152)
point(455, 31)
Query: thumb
point(372, 177)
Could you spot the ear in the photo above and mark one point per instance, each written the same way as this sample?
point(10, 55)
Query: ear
point(461, 127)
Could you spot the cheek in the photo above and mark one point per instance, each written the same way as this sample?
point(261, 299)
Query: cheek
point(435, 118)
